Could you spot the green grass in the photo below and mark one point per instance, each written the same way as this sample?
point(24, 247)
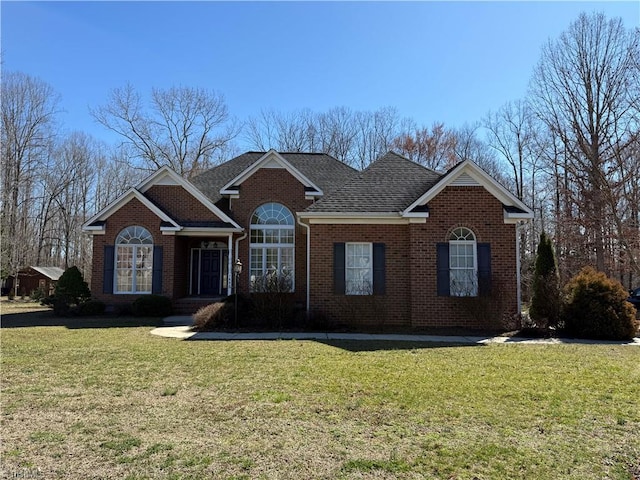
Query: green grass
point(121, 403)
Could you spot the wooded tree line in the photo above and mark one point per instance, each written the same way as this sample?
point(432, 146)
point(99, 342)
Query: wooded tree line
point(570, 150)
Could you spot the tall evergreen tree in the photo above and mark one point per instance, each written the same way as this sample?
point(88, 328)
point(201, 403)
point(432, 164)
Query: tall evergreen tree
point(545, 302)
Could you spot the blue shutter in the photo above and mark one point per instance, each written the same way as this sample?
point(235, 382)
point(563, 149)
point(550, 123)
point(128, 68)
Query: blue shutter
point(484, 269)
point(339, 283)
point(156, 281)
point(442, 267)
point(379, 279)
point(107, 273)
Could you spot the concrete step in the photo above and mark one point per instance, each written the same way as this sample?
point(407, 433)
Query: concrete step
point(190, 305)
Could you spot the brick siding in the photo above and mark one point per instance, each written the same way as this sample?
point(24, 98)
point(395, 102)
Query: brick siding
point(133, 213)
point(264, 186)
point(410, 299)
point(411, 284)
point(179, 204)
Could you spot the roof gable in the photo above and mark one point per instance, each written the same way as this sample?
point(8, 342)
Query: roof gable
point(387, 185)
point(96, 224)
point(166, 176)
point(467, 173)
point(326, 172)
point(274, 160)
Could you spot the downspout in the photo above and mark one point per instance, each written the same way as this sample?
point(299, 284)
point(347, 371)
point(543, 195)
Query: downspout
point(518, 267)
point(308, 229)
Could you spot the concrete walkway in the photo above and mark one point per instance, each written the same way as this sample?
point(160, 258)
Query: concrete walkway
point(179, 327)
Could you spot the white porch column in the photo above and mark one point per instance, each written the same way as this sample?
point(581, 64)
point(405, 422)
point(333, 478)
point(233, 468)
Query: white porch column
point(230, 257)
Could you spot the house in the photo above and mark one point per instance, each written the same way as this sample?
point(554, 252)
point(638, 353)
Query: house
point(395, 246)
point(33, 278)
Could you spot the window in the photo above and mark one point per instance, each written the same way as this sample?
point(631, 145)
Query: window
point(134, 261)
point(463, 263)
point(358, 269)
point(463, 266)
point(271, 261)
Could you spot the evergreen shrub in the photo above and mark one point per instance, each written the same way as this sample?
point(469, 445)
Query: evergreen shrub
point(546, 300)
point(596, 308)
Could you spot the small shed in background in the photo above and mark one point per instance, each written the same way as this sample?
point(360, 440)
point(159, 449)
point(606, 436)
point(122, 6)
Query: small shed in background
point(33, 278)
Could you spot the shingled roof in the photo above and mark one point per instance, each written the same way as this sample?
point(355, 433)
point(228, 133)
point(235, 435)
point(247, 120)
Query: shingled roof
point(325, 171)
point(390, 184)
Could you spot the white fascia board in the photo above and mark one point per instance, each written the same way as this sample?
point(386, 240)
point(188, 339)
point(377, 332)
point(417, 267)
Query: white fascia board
point(353, 218)
point(517, 217)
point(312, 195)
point(231, 187)
point(203, 232)
point(93, 228)
point(160, 178)
point(483, 178)
point(121, 202)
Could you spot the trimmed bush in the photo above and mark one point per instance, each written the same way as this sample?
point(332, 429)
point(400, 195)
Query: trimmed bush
point(596, 308)
point(91, 307)
point(152, 306)
point(71, 285)
point(213, 316)
point(546, 300)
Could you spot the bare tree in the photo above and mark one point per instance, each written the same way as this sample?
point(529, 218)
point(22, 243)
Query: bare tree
point(468, 146)
point(183, 127)
point(29, 107)
point(585, 89)
point(434, 148)
point(355, 138)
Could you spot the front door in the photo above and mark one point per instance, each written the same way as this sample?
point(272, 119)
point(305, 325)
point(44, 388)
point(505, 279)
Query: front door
point(210, 272)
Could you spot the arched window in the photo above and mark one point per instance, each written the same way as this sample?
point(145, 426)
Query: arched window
point(134, 260)
point(463, 263)
point(272, 249)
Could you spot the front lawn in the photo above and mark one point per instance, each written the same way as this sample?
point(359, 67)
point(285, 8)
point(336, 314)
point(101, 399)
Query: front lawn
point(121, 403)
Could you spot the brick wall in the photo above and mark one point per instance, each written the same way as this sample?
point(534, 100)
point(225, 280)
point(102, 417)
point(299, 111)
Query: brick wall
point(410, 299)
point(179, 204)
point(264, 186)
point(411, 286)
point(133, 213)
point(478, 210)
point(379, 311)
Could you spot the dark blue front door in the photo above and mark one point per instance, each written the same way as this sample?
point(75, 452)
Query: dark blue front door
point(210, 272)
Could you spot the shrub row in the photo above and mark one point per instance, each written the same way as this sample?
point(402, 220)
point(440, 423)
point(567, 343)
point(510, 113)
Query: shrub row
point(259, 311)
point(72, 297)
point(591, 305)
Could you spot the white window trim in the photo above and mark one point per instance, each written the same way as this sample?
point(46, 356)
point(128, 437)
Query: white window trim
point(369, 279)
point(468, 292)
point(134, 253)
point(134, 287)
point(279, 246)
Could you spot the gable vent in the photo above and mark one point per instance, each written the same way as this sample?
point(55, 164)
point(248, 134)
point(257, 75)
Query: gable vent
point(465, 180)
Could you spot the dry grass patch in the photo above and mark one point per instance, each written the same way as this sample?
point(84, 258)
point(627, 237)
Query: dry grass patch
point(120, 403)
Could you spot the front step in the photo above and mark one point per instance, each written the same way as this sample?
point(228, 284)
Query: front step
point(190, 305)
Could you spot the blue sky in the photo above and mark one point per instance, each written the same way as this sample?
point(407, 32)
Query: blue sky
point(433, 61)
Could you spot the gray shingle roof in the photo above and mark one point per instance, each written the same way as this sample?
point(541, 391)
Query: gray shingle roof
point(390, 184)
point(323, 170)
